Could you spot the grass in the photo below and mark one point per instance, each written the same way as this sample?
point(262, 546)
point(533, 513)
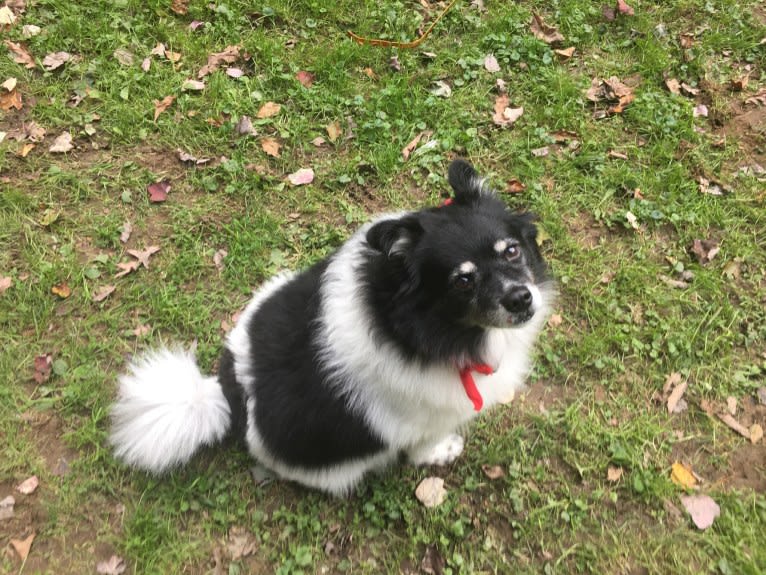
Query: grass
point(622, 329)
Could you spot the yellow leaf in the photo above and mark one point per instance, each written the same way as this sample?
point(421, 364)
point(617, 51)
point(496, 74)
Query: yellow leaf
point(268, 110)
point(62, 290)
point(682, 475)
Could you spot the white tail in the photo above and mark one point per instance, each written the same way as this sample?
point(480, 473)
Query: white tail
point(166, 410)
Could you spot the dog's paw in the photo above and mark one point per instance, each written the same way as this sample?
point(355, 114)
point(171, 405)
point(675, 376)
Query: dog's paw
point(442, 453)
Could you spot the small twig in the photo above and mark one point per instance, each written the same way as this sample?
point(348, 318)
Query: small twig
point(394, 44)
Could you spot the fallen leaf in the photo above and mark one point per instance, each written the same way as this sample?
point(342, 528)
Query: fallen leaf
point(731, 405)
point(28, 486)
point(555, 320)
point(187, 158)
point(490, 64)
point(268, 110)
point(613, 474)
point(5, 283)
point(503, 115)
point(114, 565)
point(244, 126)
point(43, 365)
point(441, 89)
point(542, 31)
point(739, 84)
point(142, 330)
point(334, 131)
point(10, 100)
point(7, 17)
point(623, 8)
point(30, 30)
point(62, 290)
point(618, 155)
point(6, 508)
point(306, 79)
point(143, 255)
point(20, 54)
point(410, 147)
point(62, 144)
point(158, 191)
point(675, 396)
point(515, 186)
point(55, 60)
point(673, 85)
point(394, 64)
point(702, 509)
point(756, 433)
point(565, 53)
point(761, 394)
point(734, 425)
point(319, 141)
point(124, 56)
point(23, 546)
point(430, 492)
point(540, 152)
point(31, 131)
point(682, 475)
point(704, 250)
point(241, 543)
point(271, 147)
point(162, 105)
point(493, 472)
point(126, 268)
point(689, 90)
point(125, 231)
point(370, 73)
point(700, 110)
point(192, 85)
point(180, 7)
point(214, 61)
point(234, 72)
point(10, 84)
point(103, 293)
point(301, 177)
point(218, 258)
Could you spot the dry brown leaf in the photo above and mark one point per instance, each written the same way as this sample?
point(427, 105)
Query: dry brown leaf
point(515, 186)
point(334, 131)
point(271, 146)
point(215, 60)
point(245, 126)
point(268, 110)
point(756, 433)
point(565, 53)
point(5, 283)
point(28, 486)
point(503, 115)
point(430, 492)
point(613, 474)
point(704, 250)
point(7, 17)
point(62, 144)
point(103, 293)
point(126, 268)
point(6, 508)
point(20, 54)
point(731, 405)
point(10, 100)
point(734, 425)
point(410, 147)
point(162, 105)
point(673, 85)
point(180, 7)
point(23, 546)
point(55, 60)
point(113, 566)
point(545, 32)
point(675, 396)
point(143, 255)
point(306, 79)
point(218, 258)
point(10, 84)
point(241, 543)
point(192, 85)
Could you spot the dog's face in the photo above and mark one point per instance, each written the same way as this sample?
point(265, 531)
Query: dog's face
point(472, 262)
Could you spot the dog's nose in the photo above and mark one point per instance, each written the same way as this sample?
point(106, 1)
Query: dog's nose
point(518, 300)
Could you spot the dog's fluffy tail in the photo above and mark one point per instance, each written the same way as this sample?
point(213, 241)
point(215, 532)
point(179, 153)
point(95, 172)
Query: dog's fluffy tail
point(166, 410)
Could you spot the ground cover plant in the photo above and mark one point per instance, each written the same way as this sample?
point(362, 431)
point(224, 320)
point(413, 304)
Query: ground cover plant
point(158, 160)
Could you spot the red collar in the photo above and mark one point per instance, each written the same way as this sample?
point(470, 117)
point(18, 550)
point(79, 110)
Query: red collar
point(470, 385)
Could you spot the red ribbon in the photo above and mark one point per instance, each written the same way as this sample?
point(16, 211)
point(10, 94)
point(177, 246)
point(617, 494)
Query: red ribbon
point(470, 385)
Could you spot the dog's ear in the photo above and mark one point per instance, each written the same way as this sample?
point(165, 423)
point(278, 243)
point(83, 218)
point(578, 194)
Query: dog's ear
point(468, 185)
point(395, 237)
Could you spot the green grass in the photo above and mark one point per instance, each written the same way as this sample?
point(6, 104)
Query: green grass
point(622, 331)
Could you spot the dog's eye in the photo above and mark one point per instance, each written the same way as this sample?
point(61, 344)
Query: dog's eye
point(512, 252)
point(464, 281)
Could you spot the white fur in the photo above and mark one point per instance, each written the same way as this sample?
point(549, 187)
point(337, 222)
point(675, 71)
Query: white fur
point(444, 452)
point(165, 411)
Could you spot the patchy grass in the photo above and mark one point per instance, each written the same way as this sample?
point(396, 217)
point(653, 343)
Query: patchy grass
point(619, 198)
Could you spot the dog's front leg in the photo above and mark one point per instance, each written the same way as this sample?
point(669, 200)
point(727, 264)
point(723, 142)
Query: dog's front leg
point(441, 452)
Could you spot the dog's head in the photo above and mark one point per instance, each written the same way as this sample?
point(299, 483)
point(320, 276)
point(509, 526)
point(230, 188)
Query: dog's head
point(471, 262)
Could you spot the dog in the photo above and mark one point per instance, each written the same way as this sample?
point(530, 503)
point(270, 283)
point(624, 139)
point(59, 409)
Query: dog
point(389, 346)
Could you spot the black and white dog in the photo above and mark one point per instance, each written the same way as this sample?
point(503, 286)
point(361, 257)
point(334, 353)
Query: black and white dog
point(416, 324)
